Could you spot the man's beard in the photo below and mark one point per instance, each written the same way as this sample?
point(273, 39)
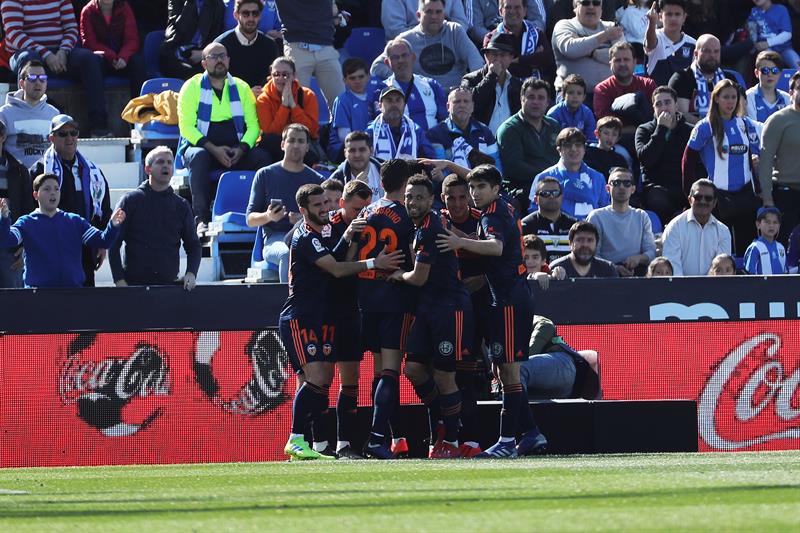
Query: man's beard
point(213, 74)
point(316, 220)
point(581, 260)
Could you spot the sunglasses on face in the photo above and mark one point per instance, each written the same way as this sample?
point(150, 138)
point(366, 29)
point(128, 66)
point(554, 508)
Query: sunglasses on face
point(587, 3)
point(36, 77)
point(70, 133)
point(621, 183)
point(707, 198)
point(770, 70)
point(549, 194)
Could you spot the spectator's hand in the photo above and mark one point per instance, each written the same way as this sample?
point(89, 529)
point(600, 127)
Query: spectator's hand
point(355, 227)
point(496, 68)
point(363, 176)
point(62, 56)
point(189, 281)
point(558, 273)
point(287, 98)
point(449, 242)
point(754, 160)
point(18, 262)
point(623, 271)
point(4, 211)
point(121, 283)
point(235, 154)
point(611, 34)
point(53, 64)
point(767, 203)
point(762, 45)
point(276, 213)
point(100, 258)
point(543, 278)
point(257, 90)
point(666, 119)
point(389, 261)
point(631, 262)
point(118, 217)
point(196, 57)
point(221, 154)
point(652, 15)
point(294, 218)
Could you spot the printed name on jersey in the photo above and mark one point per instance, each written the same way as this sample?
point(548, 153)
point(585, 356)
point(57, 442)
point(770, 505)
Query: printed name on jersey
point(735, 149)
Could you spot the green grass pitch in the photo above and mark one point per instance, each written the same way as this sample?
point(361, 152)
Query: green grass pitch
point(669, 492)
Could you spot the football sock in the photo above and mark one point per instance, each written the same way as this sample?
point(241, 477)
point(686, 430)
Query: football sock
point(509, 414)
point(384, 401)
point(346, 406)
point(428, 394)
point(525, 422)
point(451, 410)
point(309, 401)
point(469, 405)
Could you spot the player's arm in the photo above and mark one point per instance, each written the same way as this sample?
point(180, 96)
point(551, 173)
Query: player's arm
point(384, 261)
point(416, 277)
point(452, 242)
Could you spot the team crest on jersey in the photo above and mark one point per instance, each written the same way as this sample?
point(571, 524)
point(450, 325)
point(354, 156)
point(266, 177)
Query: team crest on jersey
point(312, 350)
point(327, 349)
point(317, 245)
point(446, 348)
point(686, 52)
point(497, 349)
point(752, 136)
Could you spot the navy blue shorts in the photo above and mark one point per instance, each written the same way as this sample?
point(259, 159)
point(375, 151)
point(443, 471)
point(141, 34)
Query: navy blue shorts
point(384, 330)
point(510, 324)
point(440, 334)
point(348, 336)
point(307, 341)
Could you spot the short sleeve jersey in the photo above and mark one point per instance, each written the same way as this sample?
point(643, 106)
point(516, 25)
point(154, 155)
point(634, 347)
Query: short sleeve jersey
point(444, 286)
point(507, 271)
point(388, 225)
point(342, 290)
point(470, 264)
point(730, 171)
point(308, 284)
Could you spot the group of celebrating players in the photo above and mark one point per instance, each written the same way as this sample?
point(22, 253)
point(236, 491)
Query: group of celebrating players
point(435, 287)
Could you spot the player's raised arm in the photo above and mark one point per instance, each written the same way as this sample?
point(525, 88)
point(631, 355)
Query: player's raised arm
point(384, 261)
point(451, 242)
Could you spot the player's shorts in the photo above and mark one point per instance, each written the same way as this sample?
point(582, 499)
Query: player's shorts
point(481, 306)
point(384, 330)
point(306, 341)
point(440, 334)
point(510, 324)
point(347, 339)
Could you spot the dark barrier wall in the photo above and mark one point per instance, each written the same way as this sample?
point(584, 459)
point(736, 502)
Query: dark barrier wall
point(113, 376)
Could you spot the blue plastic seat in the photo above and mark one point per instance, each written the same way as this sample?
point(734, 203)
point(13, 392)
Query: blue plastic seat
point(151, 49)
point(739, 78)
point(366, 43)
point(324, 112)
point(155, 130)
point(783, 81)
point(655, 222)
point(233, 193)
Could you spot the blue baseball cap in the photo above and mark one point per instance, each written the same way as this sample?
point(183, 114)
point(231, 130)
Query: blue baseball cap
point(764, 211)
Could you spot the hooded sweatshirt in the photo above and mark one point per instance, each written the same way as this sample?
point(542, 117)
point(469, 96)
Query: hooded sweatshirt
point(273, 116)
point(27, 127)
point(445, 57)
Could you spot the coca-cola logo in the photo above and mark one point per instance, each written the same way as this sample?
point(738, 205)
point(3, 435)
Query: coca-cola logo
point(751, 395)
point(221, 369)
point(101, 386)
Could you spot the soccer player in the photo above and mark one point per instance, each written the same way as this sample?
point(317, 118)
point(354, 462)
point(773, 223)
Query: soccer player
point(442, 317)
point(307, 329)
point(511, 312)
point(345, 226)
point(386, 305)
point(466, 219)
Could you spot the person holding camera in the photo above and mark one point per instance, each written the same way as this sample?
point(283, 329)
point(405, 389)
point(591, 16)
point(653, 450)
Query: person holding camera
point(272, 202)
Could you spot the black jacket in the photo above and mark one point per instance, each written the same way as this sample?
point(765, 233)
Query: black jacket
point(483, 85)
point(183, 21)
point(20, 188)
point(659, 157)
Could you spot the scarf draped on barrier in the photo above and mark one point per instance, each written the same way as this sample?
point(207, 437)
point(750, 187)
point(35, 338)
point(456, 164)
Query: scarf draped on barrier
point(92, 181)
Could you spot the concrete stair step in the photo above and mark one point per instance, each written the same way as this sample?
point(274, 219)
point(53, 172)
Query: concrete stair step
point(121, 175)
point(110, 150)
point(116, 194)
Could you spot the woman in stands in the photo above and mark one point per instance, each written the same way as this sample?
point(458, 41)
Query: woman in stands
point(108, 28)
point(727, 144)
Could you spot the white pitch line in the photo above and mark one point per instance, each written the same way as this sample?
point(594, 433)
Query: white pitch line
point(9, 491)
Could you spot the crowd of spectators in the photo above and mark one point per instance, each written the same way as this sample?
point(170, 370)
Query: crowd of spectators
point(622, 116)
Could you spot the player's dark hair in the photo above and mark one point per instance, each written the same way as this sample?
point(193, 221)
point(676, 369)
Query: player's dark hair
point(533, 242)
point(487, 173)
point(476, 157)
point(41, 178)
point(356, 188)
point(239, 3)
point(395, 174)
point(358, 135)
point(583, 227)
point(332, 184)
point(353, 65)
point(307, 191)
point(421, 181)
point(454, 180)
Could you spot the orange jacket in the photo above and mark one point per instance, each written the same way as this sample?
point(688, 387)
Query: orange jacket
point(273, 117)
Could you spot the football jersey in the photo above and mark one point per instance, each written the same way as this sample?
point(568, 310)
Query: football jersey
point(765, 257)
point(469, 263)
point(731, 170)
point(507, 270)
point(444, 286)
point(342, 290)
point(388, 225)
point(667, 57)
point(308, 284)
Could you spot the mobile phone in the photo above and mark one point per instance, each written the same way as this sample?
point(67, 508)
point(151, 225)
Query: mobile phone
point(275, 204)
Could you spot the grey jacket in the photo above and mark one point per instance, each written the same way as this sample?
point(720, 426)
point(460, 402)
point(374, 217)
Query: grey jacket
point(27, 127)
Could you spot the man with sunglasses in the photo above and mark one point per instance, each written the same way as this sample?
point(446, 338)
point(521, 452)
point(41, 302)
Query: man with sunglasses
point(27, 115)
point(693, 238)
point(626, 234)
point(84, 189)
point(549, 222)
point(251, 50)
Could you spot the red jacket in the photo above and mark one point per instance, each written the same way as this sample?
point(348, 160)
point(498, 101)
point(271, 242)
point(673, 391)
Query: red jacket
point(117, 39)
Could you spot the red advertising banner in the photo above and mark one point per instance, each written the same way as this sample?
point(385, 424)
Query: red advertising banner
point(172, 397)
point(744, 375)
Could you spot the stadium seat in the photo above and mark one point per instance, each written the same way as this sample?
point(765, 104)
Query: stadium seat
point(233, 193)
point(655, 222)
point(783, 81)
point(260, 270)
point(151, 49)
point(366, 43)
point(229, 236)
point(154, 130)
point(739, 78)
point(324, 112)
